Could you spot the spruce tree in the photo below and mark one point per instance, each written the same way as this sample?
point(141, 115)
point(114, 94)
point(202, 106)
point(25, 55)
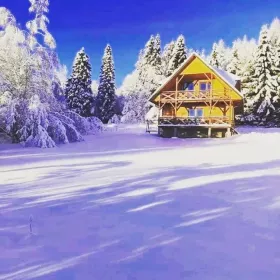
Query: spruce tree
point(179, 55)
point(106, 97)
point(220, 56)
point(276, 62)
point(78, 91)
point(156, 57)
point(149, 66)
point(166, 58)
point(234, 64)
point(265, 96)
point(214, 56)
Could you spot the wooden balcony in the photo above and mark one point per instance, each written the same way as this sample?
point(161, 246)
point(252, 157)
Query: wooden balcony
point(195, 121)
point(193, 96)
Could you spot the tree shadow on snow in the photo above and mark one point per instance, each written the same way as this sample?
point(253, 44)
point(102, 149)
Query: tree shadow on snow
point(207, 222)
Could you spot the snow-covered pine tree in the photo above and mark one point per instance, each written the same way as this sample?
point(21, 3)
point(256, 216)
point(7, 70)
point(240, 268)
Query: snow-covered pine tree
point(148, 66)
point(78, 91)
point(214, 57)
point(179, 55)
point(39, 24)
point(106, 97)
point(166, 58)
point(234, 64)
point(265, 96)
point(276, 62)
point(220, 55)
point(156, 58)
point(139, 85)
point(274, 31)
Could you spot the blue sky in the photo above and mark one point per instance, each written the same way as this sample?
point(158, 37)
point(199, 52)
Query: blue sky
point(127, 25)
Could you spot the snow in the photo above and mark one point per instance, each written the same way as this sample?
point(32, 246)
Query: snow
point(228, 77)
point(129, 205)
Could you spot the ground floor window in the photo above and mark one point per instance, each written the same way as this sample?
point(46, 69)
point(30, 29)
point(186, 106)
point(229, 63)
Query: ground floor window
point(198, 112)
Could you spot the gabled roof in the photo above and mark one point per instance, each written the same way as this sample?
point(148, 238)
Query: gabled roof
point(227, 77)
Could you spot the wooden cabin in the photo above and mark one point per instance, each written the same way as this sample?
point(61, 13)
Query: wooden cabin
point(198, 100)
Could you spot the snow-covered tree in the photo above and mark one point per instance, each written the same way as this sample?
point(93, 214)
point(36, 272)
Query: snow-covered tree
point(135, 107)
point(214, 56)
point(156, 60)
point(265, 96)
point(246, 49)
point(220, 55)
point(166, 58)
point(276, 62)
point(234, 64)
point(149, 66)
point(106, 97)
point(274, 31)
point(39, 24)
point(29, 111)
point(179, 55)
point(78, 89)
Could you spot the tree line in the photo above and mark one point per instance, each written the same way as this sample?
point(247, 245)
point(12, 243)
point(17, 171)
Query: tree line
point(40, 106)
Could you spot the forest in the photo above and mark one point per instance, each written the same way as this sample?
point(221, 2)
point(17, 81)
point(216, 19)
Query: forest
point(41, 106)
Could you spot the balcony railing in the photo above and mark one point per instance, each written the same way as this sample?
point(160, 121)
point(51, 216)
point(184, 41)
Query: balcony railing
point(195, 121)
point(193, 95)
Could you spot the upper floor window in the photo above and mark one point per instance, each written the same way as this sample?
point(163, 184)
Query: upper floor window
point(188, 86)
point(205, 86)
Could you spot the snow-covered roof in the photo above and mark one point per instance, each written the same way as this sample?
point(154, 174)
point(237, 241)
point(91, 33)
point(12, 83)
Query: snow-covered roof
point(229, 78)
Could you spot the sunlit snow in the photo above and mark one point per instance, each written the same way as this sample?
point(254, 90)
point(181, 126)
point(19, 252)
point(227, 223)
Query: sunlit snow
point(129, 205)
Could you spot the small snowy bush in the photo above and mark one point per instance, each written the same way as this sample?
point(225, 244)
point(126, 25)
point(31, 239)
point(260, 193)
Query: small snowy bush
point(95, 125)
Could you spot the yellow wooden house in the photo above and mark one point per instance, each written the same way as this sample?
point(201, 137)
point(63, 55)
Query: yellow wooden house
point(198, 100)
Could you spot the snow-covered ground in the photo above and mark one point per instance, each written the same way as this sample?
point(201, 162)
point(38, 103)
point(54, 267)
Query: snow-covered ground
point(129, 205)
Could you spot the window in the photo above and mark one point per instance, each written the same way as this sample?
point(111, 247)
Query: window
point(199, 112)
point(191, 112)
point(188, 86)
point(196, 113)
point(204, 86)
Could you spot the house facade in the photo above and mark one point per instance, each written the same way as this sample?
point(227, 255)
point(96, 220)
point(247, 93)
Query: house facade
point(198, 100)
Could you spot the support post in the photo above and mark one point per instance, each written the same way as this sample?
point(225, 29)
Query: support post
point(228, 133)
point(209, 132)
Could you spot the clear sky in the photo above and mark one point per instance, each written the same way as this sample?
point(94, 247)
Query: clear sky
point(128, 24)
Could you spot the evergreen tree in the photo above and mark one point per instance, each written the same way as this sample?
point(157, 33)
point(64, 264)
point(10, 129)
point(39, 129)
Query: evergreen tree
point(214, 57)
point(234, 65)
point(78, 91)
point(265, 97)
point(156, 60)
point(220, 55)
point(248, 87)
point(276, 62)
point(166, 58)
point(148, 66)
point(274, 31)
point(179, 55)
point(106, 97)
